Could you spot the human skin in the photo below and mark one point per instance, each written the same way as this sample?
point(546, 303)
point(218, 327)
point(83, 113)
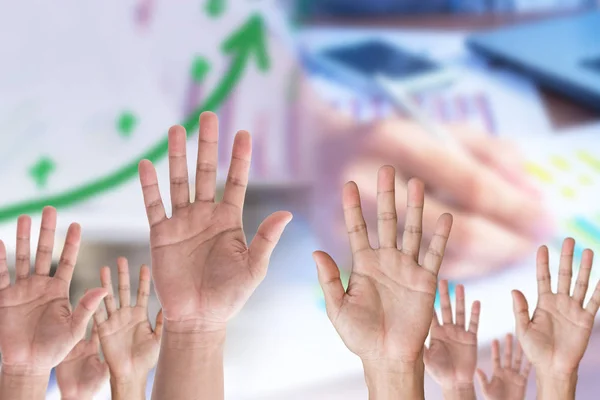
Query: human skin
point(451, 358)
point(38, 328)
point(556, 336)
point(203, 269)
point(509, 377)
point(129, 344)
point(385, 314)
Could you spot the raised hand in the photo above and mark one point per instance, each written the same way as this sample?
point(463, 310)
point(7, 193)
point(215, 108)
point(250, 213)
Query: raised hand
point(203, 270)
point(509, 381)
point(451, 358)
point(129, 343)
point(82, 373)
point(37, 327)
point(554, 339)
point(385, 314)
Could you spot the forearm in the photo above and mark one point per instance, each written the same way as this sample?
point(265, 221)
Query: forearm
point(128, 389)
point(556, 386)
point(23, 383)
point(387, 381)
point(190, 365)
point(460, 392)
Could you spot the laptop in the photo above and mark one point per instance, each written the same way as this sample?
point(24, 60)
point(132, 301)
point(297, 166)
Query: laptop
point(562, 54)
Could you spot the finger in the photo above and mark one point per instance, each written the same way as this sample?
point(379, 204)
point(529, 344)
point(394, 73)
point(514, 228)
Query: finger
point(437, 247)
point(474, 320)
point(85, 309)
point(413, 225)
point(508, 351)
point(331, 283)
point(266, 238)
point(482, 378)
point(594, 303)
point(4, 274)
point(239, 169)
point(68, 258)
point(43, 256)
point(434, 320)
point(99, 316)
point(460, 306)
point(518, 358)
point(526, 369)
point(471, 185)
point(355, 222)
point(109, 300)
point(496, 354)
point(178, 171)
point(565, 268)
point(521, 312)
point(23, 262)
point(445, 302)
point(387, 218)
point(124, 283)
point(543, 271)
point(158, 328)
point(583, 277)
point(143, 292)
point(95, 338)
point(155, 210)
point(208, 153)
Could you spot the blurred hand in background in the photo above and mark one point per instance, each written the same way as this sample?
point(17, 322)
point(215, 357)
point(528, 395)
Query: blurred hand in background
point(485, 189)
point(509, 380)
point(81, 375)
point(129, 344)
point(451, 358)
point(556, 336)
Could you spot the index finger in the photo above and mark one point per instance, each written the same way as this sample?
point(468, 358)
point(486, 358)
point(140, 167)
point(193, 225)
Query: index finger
point(239, 169)
point(437, 246)
point(543, 271)
point(355, 221)
point(68, 258)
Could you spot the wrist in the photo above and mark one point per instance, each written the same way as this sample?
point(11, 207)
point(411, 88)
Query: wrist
point(23, 382)
point(459, 390)
point(24, 371)
point(193, 334)
point(387, 379)
point(556, 385)
point(128, 388)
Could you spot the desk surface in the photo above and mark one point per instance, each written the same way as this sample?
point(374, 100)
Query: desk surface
point(563, 112)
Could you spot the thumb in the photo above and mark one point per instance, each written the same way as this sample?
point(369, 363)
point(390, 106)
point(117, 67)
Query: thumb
point(266, 238)
point(482, 378)
point(330, 281)
point(85, 310)
point(521, 311)
point(158, 328)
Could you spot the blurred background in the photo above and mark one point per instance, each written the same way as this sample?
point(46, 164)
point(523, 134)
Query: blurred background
point(495, 104)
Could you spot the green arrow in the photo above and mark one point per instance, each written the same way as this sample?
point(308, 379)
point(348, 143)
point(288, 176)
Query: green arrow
point(247, 41)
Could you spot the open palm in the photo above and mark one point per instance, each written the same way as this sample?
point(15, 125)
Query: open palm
point(451, 358)
point(129, 344)
point(37, 327)
point(202, 268)
point(82, 373)
point(557, 335)
point(386, 310)
point(508, 381)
